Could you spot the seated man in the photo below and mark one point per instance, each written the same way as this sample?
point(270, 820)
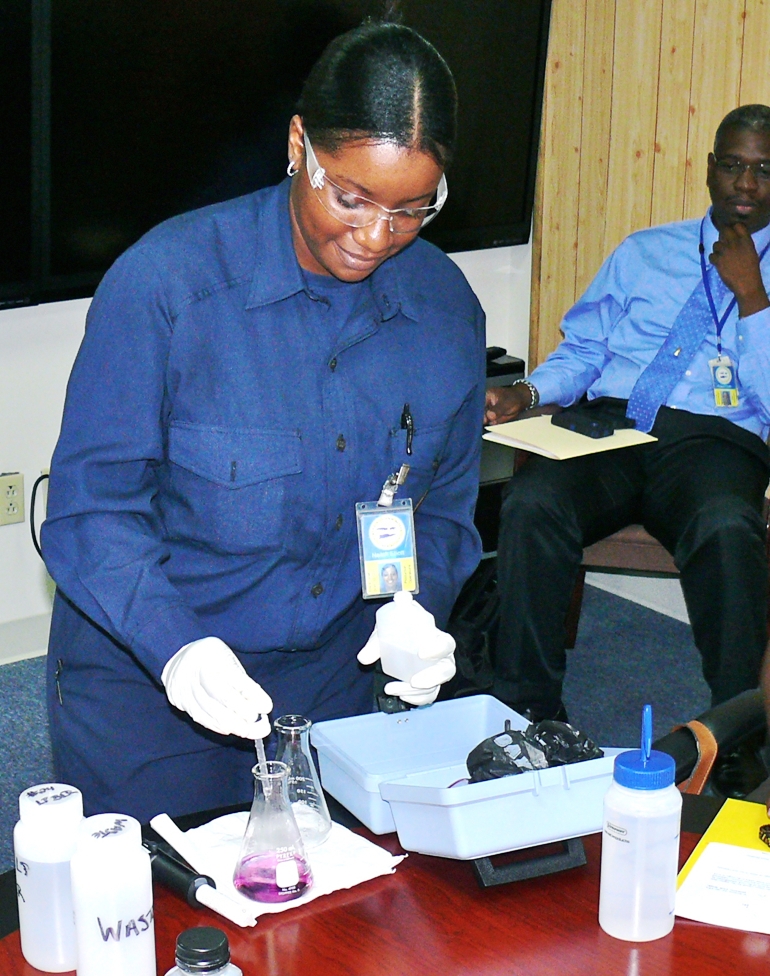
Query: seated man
point(675, 332)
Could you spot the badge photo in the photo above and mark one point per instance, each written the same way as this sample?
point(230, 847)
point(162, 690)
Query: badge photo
point(386, 548)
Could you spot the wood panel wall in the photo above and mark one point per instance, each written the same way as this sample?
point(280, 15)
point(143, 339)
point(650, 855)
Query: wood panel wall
point(634, 92)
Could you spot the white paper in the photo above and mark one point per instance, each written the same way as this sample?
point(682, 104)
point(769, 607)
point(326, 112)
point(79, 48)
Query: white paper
point(728, 886)
point(539, 436)
point(344, 859)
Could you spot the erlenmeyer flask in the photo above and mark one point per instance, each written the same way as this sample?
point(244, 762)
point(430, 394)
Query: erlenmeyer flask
point(272, 865)
point(304, 789)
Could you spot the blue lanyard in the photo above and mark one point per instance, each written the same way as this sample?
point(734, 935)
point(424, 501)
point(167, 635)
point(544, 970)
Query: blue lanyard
point(704, 275)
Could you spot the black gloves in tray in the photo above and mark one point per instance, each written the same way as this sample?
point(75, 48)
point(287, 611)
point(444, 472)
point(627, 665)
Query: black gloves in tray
point(540, 745)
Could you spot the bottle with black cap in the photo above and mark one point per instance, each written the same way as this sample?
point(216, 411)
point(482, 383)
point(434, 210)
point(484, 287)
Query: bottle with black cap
point(203, 950)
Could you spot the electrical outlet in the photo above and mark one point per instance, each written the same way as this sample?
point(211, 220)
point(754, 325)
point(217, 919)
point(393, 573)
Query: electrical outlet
point(11, 498)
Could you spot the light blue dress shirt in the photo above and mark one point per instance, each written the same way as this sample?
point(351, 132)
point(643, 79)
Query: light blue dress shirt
point(614, 331)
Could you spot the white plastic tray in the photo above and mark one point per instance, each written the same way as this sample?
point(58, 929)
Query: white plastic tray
point(481, 819)
point(356, 755)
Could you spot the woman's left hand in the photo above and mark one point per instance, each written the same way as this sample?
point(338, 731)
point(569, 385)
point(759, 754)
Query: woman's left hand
point(423, 687)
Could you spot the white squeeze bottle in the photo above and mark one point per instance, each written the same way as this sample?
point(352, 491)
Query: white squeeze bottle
point(43, 843)
point(112, 896)
point(640, 843)
point(403, 627)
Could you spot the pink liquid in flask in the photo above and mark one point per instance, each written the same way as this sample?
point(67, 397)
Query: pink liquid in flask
point(272, 878)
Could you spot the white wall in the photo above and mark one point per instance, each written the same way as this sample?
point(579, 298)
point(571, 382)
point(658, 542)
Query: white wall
point(500, 277)
point(37, 349)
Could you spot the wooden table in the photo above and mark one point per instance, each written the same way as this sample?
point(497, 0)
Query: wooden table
point(430, 917)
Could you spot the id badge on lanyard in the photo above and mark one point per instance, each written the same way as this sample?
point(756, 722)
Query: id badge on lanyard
point(386, 542)
point(724, 382)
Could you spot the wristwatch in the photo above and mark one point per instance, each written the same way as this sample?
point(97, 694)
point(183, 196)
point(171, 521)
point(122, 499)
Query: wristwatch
point(534, 396)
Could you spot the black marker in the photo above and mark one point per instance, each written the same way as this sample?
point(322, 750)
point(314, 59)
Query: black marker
point(175, 873)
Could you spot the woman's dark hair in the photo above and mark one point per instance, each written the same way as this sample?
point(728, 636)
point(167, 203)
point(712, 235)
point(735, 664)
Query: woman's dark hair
point(382, 81)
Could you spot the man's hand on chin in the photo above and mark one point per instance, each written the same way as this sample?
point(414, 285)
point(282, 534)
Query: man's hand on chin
point(735, 258)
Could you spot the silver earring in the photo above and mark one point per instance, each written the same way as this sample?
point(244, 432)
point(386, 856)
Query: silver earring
point(292, 168)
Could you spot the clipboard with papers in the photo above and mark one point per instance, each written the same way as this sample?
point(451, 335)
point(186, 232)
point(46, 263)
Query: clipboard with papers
point(539, 436)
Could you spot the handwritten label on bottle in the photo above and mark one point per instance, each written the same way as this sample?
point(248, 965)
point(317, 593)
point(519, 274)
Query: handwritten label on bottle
point(42, 797)
point(136, 926)
point(44, 789)
point(22, 868)
point(117, 828)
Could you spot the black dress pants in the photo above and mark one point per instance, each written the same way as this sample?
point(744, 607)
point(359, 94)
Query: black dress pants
point(698, 490)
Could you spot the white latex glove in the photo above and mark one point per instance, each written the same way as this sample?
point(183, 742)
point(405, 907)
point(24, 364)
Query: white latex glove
point(437, 651)
point(206, 680)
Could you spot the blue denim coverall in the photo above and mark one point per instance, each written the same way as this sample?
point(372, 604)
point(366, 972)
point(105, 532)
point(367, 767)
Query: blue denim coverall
point(221, 422)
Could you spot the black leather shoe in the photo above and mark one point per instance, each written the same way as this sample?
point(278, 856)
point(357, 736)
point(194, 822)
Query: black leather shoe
point(738, 772)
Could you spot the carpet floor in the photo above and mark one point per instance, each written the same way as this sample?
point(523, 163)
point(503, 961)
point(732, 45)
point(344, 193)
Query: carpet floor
point(627, 656)
point(25, 747)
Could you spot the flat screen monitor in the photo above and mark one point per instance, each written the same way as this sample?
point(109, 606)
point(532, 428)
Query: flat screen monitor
point(126, 112)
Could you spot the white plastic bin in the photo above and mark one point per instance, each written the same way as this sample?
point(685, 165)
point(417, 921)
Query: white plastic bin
point(394, 773)
point(481, 819)
point(356, 754)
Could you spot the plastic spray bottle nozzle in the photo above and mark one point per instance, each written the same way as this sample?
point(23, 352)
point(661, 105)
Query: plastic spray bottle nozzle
point(646, 733)
point(647, 768)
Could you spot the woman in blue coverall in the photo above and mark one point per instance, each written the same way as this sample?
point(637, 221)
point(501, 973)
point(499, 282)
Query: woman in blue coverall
point(242, 383)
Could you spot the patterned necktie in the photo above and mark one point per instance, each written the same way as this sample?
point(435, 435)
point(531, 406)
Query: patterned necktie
point(690, 328)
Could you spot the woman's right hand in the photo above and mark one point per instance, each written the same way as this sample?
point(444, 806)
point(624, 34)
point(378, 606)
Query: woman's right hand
point(206, 680)
point(505, 403)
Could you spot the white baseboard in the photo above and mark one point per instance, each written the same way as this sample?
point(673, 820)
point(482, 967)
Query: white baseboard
point(25, 638)
point(663, 595)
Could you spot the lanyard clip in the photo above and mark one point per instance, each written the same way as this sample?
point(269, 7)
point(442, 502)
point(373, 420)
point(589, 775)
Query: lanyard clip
point(392, 483)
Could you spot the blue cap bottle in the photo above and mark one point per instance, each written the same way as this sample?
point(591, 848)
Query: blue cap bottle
point(640, 843)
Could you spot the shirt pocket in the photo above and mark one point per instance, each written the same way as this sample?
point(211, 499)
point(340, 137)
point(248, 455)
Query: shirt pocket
point(230, 487)
point(429, 448)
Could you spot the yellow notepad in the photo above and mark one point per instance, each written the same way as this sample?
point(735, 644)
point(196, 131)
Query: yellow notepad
point(539, 435)
point(737, 823)
point(726, 880)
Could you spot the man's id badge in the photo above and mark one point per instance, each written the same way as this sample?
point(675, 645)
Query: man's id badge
point(724, 382)
point(386, 548)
